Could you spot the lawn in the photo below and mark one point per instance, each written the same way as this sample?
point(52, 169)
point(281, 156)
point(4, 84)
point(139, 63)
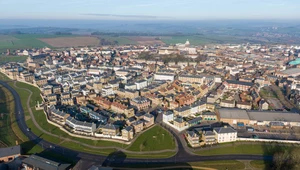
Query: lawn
point(154, 139)
point(265, 165)
point(258, 148)
point(220, 165)
point(7, 59)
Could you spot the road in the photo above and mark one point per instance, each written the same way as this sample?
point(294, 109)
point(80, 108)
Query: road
point(181, 156)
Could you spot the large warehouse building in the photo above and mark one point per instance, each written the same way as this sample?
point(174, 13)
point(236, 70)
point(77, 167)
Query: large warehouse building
point(234, 116)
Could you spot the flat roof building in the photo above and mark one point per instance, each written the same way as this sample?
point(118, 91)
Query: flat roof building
point(37, 162)
point(233, 116)
point(9, 153)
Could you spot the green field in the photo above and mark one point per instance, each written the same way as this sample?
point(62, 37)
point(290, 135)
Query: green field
point(121, 40)
point(258, 148)
point(25, 41)
point(7, 59)
point(154, 139)
point(200, 39)
point(21, 42)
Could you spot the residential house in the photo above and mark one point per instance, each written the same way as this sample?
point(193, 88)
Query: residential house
point(131, 94)
point(140, 102)
point(225, 134)
point(67, 101)
point(65, 95)
point(81, 99)
point(80, 127)
point(244, 105)
point(193, 138)
point(168, 116)
point(263, 105)
point(209, 116)
point(127, 133)
point(237, 85)
point(140, 84)
point(149, 120)
point(109, 130)
point(138, 126)
point(102, 102)
point(179, 122)
point(228, 103)
point(40, 81)
point(118, 107)
point(209, 137)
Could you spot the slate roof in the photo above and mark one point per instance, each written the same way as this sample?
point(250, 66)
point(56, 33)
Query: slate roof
point(43, 163)
point(9, 151)
point(224, 130)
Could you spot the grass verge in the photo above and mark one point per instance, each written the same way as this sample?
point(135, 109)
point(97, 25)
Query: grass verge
point(259, 148)
point(220, 165)
point(265, 165)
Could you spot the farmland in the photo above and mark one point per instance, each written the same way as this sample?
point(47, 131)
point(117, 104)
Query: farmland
point(71, 41)
point(122, 40)
point(25, 41)
point(6, 59)
point(15, 42)
point(145, 40)
point(200, 39)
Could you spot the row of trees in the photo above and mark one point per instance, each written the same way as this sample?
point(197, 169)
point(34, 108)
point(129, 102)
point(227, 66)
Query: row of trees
point(287, 160)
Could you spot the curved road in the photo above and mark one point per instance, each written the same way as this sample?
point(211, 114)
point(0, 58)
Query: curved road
point(181, 156)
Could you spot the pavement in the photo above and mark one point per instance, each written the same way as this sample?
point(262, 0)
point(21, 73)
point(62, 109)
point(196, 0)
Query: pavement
point(183, 154)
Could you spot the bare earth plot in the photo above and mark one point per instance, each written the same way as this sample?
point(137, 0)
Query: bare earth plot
point(71, 41)
point(145, 40)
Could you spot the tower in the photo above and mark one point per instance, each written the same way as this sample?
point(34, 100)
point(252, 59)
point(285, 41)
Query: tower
point(187, 43)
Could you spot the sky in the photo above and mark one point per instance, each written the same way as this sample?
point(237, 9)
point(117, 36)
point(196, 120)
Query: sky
point(150, 9)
